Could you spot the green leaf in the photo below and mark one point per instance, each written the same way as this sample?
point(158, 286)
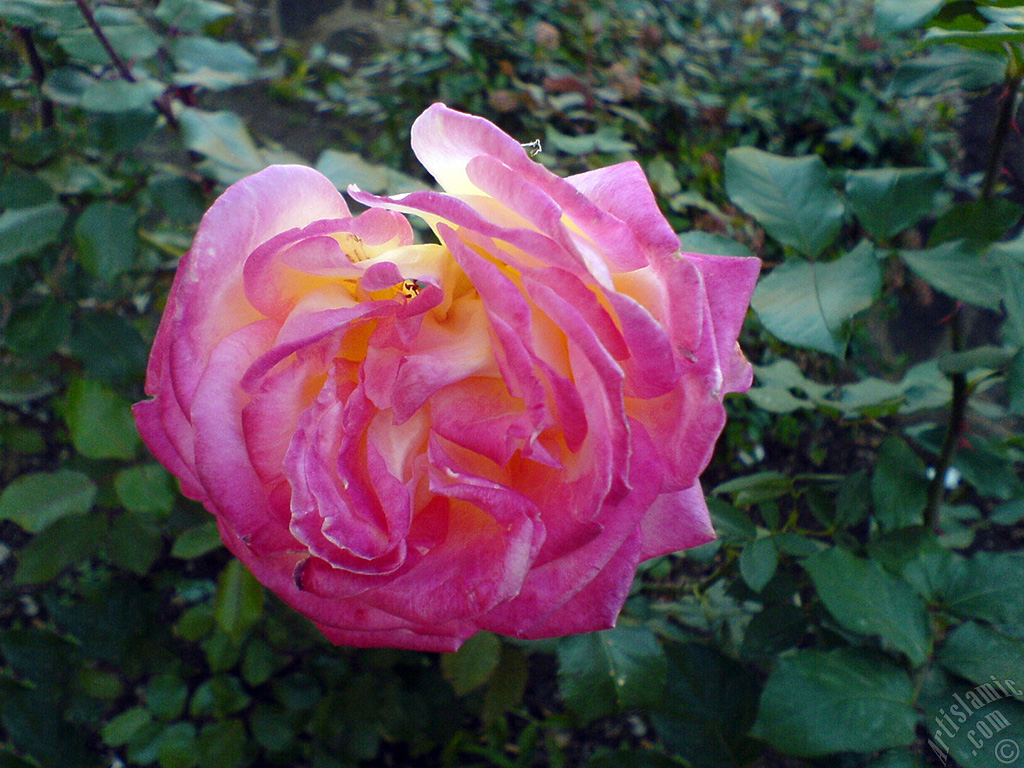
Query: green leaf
point(238, 605)
point(889, 200)
point(853, 501)
point(730, 523)
point(106, 239)
point(37, 725)
point(219, 696)
point(601, 673)
point(989, 469)
point(472, 665)
point(21, 189)
point(111, 96)
point(1009, 259)
point(38, 500)
point(222, 652)
point(711, 243)
point(791, 198)
point(958, 271)
point(260, 662)
point(272, 727)
point(784, 388)
point(978, 223)
point(897, 549)
point(755, 488)
point(108, 347)
point(663, 178)
point(297, 691)
point(145, 488)
point(176, 746)
point(773, 630)
point(948, 69)
point(899, 485)
point(1009, 513)
point(120, 730)
point(865, 599)
point(120, 133)
point(98, 683)
point(990, 587)
point(1014, 384)
point(192, 15)
point(65, 85)
point(36, 329)
point(345, 168)
point(177, 198)
point(21, 438)
point(165, 695)
point(901, 15)
point(68, 541)
point(196, 542)
point(114, 619)
point(845, 700)
point(981, 654)
point(974, 727)
point(26, 230)
point(211, 63)
point(39, 655)
point(133, 545)
point(144, 748)
point(605, 139)
point(1011, 16)
point(958, 523)
point(810, 304)
point(196, 623)
point(506, 686)
point(989, 357)
point(225, 141)
point(222, 744)
point(124, 29)
point(709, 705)
point(992, 38)
point(100, 422)
point(50, 15)
point(932, 570)
point(757, 563)
point(796, 545)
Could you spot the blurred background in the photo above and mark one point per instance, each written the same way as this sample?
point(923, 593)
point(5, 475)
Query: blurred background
point(869, 572)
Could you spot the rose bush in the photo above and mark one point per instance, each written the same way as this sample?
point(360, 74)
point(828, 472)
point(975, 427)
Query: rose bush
point(413, 442)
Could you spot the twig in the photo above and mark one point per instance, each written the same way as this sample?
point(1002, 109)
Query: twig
point(119, 64)
point(46, 117)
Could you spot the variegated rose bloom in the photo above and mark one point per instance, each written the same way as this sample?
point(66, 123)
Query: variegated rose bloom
point(409, 442)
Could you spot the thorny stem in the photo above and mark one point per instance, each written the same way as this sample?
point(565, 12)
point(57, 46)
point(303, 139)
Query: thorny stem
point(119, 64)
point(1003, 123)
point(46, 117)
point(958, 404)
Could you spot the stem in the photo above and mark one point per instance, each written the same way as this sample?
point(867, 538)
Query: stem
point(119, 64)
point(104, 41)
point(954, 431)
point(46, 118)
point(958, 404)
point(1002, 130)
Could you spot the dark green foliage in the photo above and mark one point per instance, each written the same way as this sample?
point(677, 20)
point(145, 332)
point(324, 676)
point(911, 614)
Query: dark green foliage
point(867, 588)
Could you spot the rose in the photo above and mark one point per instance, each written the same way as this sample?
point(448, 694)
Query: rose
point(411, 443)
